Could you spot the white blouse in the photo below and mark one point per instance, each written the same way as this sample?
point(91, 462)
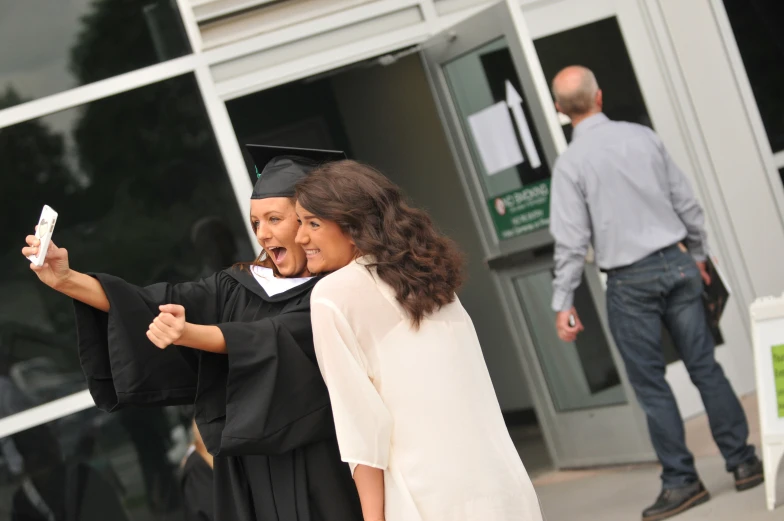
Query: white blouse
point(418, 404)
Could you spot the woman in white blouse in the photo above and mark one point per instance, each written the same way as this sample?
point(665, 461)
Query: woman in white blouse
point(416, 415)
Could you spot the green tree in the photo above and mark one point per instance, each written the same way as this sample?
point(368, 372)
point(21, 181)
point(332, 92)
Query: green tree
point(149, 153)
point(32, 159)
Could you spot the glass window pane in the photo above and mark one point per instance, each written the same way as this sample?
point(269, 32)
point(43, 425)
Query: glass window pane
point(141, 192)
point(119, 467)
point(497, 133)
point(600, 47)
point(756, 25)
point(579, 375)
point(299, 114)
point(51, 46)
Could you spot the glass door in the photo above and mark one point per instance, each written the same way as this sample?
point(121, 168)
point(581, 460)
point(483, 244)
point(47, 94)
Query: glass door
point(583, 399)
point(505, 135)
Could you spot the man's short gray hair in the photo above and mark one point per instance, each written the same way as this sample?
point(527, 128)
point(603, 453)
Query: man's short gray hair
point(576, 99)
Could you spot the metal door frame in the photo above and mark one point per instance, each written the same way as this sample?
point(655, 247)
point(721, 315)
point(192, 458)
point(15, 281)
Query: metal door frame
point(516, 256)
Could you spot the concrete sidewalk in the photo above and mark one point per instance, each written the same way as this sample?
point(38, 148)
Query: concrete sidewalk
point(621, 493)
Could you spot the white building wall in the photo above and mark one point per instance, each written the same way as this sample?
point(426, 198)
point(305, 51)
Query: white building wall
point(747, 196)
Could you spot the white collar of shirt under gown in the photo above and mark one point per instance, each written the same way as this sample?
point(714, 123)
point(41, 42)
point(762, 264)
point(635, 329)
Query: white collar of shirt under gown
point(272, 284)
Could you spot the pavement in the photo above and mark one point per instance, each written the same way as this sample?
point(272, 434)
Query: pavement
point(621, 493)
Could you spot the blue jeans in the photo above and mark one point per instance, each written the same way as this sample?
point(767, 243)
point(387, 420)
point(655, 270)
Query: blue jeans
point(666, 287)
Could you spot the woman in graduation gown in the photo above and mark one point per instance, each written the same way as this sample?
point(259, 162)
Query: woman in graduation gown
point(242, 354)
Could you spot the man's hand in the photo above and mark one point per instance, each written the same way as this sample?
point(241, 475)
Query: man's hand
point(566, 332)
point(168, 326)
point(703, 266)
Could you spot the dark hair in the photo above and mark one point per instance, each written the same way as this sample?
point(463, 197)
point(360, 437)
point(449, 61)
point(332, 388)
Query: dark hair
point(424, 267)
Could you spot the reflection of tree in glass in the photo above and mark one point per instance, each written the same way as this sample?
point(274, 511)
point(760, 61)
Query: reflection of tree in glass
point(149, 155)
point(51, 485)
point(119, 36)
point(33, 155)
point(152, 170)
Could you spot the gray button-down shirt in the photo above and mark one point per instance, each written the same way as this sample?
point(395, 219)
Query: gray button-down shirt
point(617, 188)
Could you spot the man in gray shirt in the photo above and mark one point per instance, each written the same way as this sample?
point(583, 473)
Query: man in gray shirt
point(617, 188)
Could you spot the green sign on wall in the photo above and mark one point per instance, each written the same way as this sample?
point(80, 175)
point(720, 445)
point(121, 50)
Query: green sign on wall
point(778, 376)
point(521, 211)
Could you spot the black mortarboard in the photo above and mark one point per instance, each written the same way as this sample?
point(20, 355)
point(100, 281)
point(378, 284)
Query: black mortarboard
point(282, 167)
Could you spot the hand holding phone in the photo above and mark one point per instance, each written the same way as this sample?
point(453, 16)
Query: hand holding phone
point(43, 233)
point(568, 325)
point(49, 262)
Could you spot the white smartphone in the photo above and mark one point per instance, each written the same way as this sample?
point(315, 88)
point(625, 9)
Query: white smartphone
point(44, 234)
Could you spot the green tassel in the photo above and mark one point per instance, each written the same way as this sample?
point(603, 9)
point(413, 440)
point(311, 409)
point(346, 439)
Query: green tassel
point(258, 175)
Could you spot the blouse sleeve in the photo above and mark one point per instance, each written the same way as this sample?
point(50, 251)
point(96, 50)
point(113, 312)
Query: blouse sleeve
point(362, 421)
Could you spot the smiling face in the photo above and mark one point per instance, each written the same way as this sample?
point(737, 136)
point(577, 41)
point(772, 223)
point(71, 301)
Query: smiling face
point(275, 223)
point(327, 246)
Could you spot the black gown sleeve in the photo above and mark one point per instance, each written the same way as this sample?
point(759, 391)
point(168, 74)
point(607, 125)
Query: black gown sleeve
point(121, 365)
point(197, 490)
point(276, 399)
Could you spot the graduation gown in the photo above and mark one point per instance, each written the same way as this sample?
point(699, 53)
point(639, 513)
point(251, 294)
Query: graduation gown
point(262, 410)
point(196, 484)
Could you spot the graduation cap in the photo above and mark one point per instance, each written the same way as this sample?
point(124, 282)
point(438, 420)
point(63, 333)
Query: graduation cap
point(282, 167)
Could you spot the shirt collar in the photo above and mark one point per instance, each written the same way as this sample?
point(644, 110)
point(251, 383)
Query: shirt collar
point(589, 123)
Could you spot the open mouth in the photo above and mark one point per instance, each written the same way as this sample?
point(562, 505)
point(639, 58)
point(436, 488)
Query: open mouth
point(312, 253)
point(278, 253)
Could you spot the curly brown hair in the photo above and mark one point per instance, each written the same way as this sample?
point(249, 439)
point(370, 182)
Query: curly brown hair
point(424, 267)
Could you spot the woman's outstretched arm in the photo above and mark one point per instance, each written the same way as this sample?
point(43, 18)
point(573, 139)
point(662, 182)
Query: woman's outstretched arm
point(57, 274)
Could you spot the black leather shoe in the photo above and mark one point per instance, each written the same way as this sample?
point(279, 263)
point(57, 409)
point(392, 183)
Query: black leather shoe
point(673, 501)
point(748, 475)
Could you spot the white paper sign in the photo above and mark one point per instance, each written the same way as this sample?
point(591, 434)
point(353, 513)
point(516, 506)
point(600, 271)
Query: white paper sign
point(495, 138)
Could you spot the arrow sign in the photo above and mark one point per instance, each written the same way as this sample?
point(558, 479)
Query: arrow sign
point(515, 102)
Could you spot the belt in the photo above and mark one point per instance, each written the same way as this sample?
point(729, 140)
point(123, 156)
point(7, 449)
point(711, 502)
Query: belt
point(679, 245)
